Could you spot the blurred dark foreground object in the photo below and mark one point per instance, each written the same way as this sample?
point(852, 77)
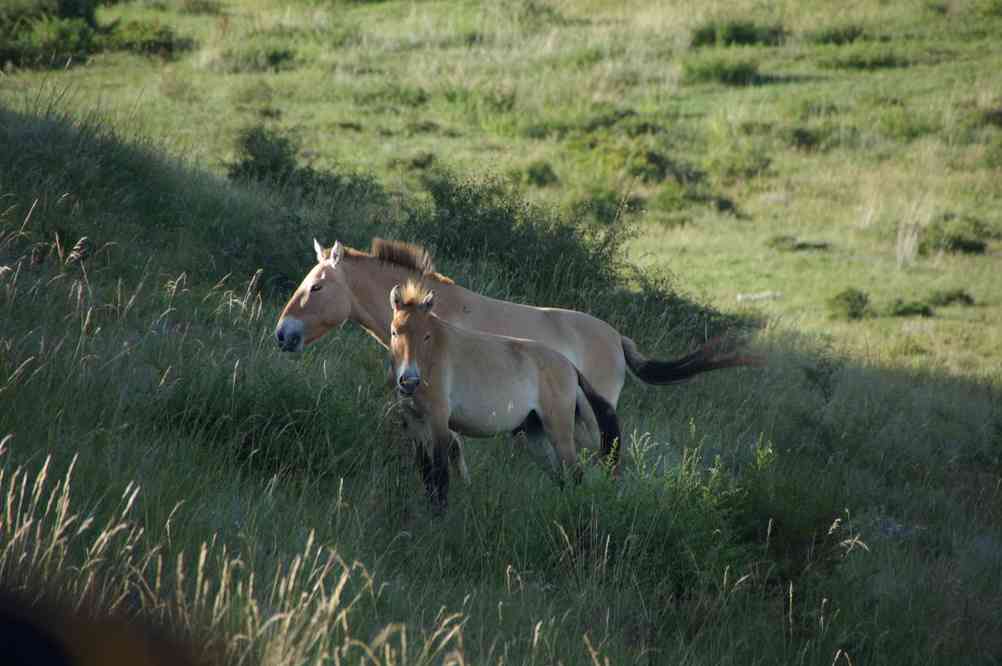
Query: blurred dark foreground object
point(47, 633)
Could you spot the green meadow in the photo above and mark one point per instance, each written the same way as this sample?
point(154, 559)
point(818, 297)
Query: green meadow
point(823, 182)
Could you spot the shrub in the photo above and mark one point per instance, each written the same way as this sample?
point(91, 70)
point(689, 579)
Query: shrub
point(736, 33)
point(267, 156)
point(944, 297)
point(20, 12)
point(719, 69)
point(652, 166)
point(850, 304)
point(45, 35)
point(955, 233)
point(837, 34)
point(204, 7)
point(988, 8)
point(993, 153)
point(803, 138)
point(901, 308)
point(602, 206)
point(993, 117)
point(901, 123)
point(393, 94)
point(261, 59)
point(866, 58)
point(541, 174)
point(516, 236)
point(50, 41)
point(742, 160)
point(786, 243)
point(144, 37)
point(264, 155)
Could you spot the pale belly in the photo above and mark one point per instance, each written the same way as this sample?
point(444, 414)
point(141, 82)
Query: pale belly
point(480, 417)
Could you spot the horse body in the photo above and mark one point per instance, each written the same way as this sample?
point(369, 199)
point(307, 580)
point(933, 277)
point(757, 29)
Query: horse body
point(481, 384)
point(347, 284)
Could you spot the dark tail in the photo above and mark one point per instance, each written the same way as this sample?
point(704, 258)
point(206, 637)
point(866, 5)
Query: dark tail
point(608, 423)
point(704, 359)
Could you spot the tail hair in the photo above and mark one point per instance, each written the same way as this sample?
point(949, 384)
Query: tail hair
point(608, 423)
point(706, 358)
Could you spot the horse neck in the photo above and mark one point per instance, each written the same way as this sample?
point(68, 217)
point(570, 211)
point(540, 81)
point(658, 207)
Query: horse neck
point(370, 281)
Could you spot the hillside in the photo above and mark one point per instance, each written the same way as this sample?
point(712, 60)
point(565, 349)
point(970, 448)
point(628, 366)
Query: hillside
point(645, 163)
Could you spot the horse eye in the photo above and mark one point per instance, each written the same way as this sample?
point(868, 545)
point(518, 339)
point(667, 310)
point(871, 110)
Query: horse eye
point(427, 337)
point(317, 287)
point(393, 333)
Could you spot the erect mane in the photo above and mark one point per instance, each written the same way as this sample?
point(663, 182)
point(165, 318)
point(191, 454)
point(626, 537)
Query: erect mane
point(406, 255)
point(413, 293)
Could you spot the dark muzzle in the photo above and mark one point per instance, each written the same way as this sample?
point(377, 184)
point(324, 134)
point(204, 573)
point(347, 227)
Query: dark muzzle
point(408, 384)
point(287, 342)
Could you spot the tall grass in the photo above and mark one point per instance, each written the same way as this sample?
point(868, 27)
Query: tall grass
point(165, 461)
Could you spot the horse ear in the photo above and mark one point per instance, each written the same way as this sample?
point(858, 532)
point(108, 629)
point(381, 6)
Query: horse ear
point(428, 302)
point(395, 298)
point(319, 250)
point(337, 253)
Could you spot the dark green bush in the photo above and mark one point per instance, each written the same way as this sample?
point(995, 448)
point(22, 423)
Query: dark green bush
point(144, 37)
point(837, 34)
point(259, 59)
point(944, 297)
point(488, 220)
point(264, 155)
point(653, 166)
point(736, 33)
point(50, 41)
point(901, 308)
point(541, 174)
point(849, 304)
point(267, 156)
point(718, 69)
point(866, 58)
point(955, 233)
point(675, 196)
point(49, 34)
point(603, 207)
point(785, 243)
point(393, 94)
point(14, 12)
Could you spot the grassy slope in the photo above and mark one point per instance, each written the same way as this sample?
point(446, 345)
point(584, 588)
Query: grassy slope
point(891, 427)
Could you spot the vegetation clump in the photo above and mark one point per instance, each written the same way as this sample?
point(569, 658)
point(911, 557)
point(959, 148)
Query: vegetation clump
point(902, 308)
point(944, 297)
point(956, 233)
point(271, 157)
point(849, 304)
point(720, 69)
point(541, 174)
point(866, 58)
point(838, 35)
point(736, 32)
point(786, 243)
point(47, 33)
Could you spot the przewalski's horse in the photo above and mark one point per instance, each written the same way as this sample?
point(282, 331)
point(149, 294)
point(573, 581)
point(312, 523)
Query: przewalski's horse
point(347, 284)
point(480, 384)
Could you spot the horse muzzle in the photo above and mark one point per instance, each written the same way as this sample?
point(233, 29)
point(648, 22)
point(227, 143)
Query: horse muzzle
point(408, 385)
point(289, 335)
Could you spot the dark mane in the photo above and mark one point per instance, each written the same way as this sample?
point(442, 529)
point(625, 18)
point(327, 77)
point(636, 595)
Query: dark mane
point(406, 255)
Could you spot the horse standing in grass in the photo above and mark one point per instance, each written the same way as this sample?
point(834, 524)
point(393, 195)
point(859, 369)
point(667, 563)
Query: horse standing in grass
point(347, 284)
point(480, 384)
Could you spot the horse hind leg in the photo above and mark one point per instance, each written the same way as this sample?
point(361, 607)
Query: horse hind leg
point(532, 437)
point(558, 422)
point(458, 458)
point(587, 434)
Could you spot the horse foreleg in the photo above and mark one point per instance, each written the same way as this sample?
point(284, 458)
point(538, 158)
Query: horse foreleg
point(436, 479)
